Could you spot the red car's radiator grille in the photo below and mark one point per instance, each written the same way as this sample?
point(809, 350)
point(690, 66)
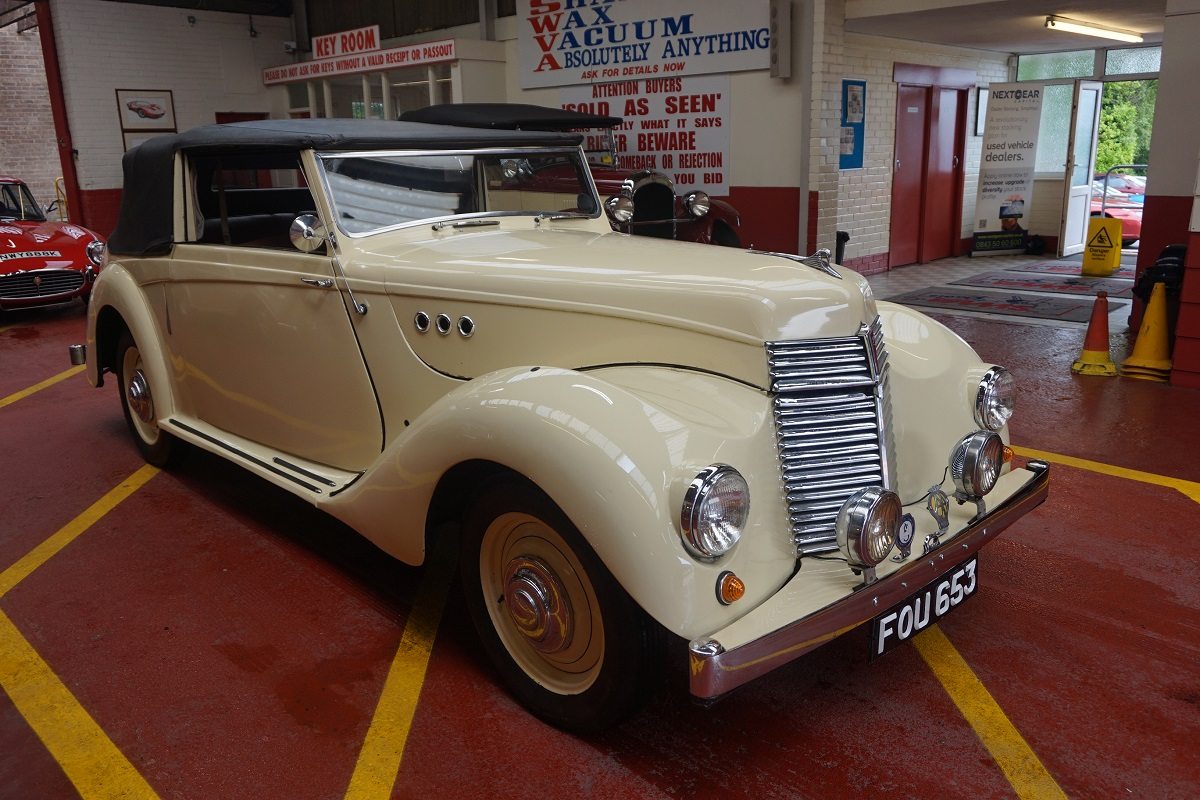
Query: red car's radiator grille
point(39, 283)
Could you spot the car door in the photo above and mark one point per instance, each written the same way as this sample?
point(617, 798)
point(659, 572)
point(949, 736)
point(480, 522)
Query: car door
point(262, 342)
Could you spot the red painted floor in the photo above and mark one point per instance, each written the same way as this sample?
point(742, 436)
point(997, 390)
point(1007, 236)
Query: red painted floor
point(233, 642)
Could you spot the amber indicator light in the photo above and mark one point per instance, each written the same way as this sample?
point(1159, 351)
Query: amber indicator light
point(730, 588)
point(1008, 454)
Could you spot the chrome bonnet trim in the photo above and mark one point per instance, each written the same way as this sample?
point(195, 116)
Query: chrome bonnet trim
point(715, 671)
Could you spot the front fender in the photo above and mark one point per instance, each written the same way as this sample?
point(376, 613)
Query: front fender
point(118, 300)
point(934, 375)
point(615, 449)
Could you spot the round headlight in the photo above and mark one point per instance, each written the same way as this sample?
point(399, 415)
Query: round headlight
point(619, 207)
point(96, 252)
point(975, 464)
point(697, 203)
point(867, 525)
point(715, 509)
point(995, 399)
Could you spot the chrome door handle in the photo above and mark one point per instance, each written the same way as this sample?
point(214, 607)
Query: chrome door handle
point(323, 283)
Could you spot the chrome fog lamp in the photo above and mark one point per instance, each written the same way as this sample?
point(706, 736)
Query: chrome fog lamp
point(96, 252)
point(619, 207)
point(716, 507)
point(975, 464)
point(867, 525)
point(697, 203)
point(995, 399)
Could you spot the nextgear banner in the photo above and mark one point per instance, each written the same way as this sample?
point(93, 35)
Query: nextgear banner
point(568, 42)
point(1002, 203)
point(677, 126)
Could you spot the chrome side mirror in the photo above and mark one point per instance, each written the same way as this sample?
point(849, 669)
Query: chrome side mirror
point(307, 233)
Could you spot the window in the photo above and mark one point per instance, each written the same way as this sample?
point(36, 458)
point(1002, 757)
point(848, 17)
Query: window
point(1133, 61)
point(1046, 66)
point(378, 191)
point(249, 199)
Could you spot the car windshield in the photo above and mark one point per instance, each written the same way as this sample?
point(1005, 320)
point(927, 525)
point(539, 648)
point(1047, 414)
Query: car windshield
point(17, 203)
point(377, 191)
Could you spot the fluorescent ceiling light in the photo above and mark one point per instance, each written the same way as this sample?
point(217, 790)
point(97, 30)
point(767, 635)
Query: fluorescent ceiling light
point(1091, 29)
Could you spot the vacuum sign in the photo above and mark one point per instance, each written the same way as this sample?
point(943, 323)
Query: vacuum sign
point(568, 42)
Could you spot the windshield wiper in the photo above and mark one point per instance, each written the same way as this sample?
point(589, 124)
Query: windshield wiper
point(465, 223)
point(562, 215)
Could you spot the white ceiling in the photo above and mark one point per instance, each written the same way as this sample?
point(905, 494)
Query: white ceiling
point(1006, 26)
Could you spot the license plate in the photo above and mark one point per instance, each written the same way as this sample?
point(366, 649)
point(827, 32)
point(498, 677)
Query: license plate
point(923, 608)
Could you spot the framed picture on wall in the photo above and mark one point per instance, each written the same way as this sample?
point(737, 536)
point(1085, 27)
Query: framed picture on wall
point(146, 109)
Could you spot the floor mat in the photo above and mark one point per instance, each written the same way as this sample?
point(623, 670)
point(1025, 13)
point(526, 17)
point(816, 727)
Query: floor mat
point(1060, 284)
point(1010, 303)
point(1069, 268)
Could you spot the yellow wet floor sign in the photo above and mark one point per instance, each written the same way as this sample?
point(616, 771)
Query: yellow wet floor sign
point(1102, 254)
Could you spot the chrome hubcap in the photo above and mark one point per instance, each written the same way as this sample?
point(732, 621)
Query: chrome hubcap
point(537, 604)
point(138, 392)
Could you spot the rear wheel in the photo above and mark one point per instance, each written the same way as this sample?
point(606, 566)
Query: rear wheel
point(137, 402)
point(569, 642)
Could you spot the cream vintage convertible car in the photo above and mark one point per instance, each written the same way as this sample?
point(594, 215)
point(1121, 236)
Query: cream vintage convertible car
point(642, 443)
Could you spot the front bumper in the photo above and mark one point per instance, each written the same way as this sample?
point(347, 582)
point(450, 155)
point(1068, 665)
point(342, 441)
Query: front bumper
point(715, 670)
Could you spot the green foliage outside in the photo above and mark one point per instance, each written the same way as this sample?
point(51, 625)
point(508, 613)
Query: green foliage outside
point(1126, 117)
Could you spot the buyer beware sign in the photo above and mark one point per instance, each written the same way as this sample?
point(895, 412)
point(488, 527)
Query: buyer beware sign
point(676, 126)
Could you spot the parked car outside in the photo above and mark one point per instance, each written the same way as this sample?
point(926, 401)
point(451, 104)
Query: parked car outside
point(658, 209)
point(42, 262)
point(638, 443)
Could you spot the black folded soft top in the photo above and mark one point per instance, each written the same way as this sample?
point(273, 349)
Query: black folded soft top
point(146, 222)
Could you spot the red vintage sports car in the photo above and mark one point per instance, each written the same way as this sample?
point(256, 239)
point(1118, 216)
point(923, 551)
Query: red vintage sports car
point(656, 208)
point(42, 262)
point(145, 109)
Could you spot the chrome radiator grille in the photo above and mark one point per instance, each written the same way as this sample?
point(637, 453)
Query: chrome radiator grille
point(833, 426)
point(39, 283)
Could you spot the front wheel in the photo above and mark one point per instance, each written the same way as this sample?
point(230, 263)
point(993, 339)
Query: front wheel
point(137, 402)
point(569, 642)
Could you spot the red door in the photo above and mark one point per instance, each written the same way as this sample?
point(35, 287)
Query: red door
point(908, 174)
point(941, 221)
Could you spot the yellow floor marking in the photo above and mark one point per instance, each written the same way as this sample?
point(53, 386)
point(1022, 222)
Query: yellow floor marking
point(37, 387)
point(379, 760)
point(1009, 749)
point(71, 531)
point(1189, 488)
point(89, 758)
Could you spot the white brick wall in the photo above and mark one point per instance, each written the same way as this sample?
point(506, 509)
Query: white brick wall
point(213, 65)
point(27, 145)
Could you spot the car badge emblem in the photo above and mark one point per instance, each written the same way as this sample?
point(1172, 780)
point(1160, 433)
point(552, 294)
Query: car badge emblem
point(939, 508)
point(37, 281)
point(904, 538)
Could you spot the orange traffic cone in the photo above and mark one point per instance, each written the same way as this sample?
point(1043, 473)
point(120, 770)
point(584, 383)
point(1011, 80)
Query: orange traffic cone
point(1151, 357)
point(1094, 360)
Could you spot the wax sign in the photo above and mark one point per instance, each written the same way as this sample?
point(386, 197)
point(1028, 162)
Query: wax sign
point(1006, 168)
point(677, 126)
point(395, 58)
point(567, 42)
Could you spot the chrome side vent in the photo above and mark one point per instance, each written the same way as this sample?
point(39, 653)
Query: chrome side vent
point(833, 427)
